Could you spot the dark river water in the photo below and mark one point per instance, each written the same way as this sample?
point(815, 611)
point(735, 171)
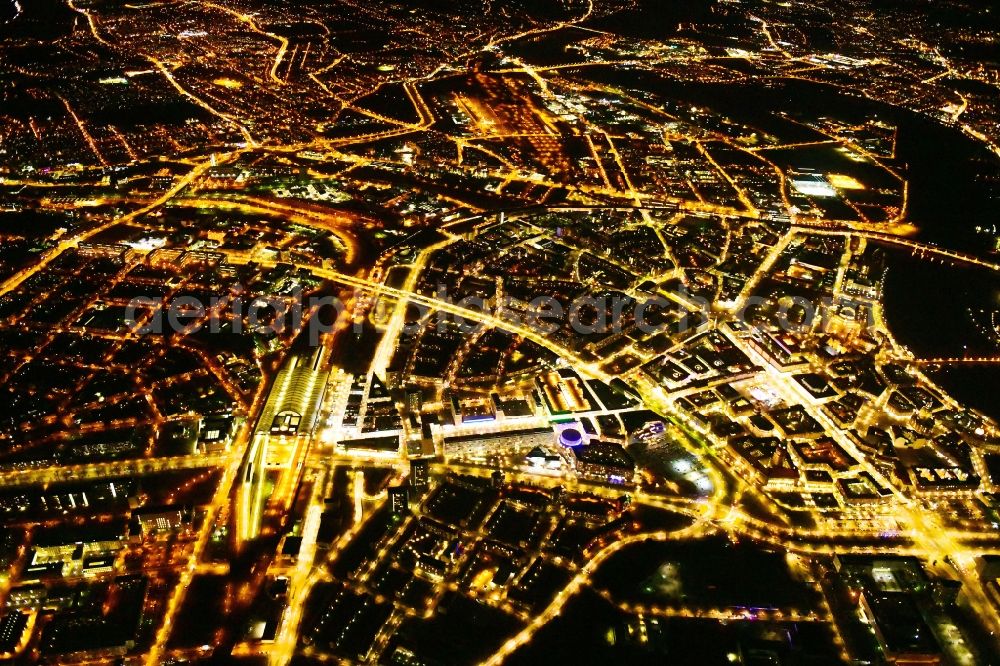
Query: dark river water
point(8, 10)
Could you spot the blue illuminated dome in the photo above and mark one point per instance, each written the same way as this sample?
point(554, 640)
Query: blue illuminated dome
point(571, 437)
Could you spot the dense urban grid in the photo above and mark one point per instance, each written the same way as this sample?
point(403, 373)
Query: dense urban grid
point(427, 332)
